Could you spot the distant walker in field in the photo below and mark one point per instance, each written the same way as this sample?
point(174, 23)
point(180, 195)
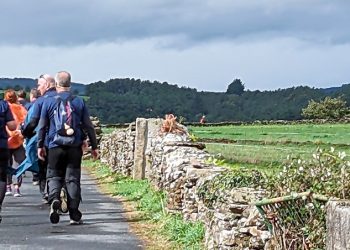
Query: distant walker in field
point(202, 120)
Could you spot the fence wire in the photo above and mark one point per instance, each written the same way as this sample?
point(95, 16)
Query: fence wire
point(296, 221)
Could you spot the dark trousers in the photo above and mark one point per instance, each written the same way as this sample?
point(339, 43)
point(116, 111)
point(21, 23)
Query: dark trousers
point(42, 174)
point(4, 161)
point(65, 167)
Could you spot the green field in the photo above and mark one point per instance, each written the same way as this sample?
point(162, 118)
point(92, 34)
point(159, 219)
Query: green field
point(266, 146)
point(310, 133)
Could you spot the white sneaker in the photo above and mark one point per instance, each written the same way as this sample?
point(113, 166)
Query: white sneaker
point(17, 194)
point(8, 191)
point(73, 222)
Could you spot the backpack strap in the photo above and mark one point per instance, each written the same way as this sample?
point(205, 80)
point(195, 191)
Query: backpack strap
point(58, 98)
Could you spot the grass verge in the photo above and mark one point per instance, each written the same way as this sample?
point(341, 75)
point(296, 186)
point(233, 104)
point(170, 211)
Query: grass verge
point(146, 213)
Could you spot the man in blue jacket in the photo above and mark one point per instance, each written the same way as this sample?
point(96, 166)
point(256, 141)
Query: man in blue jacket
point(64, 161)
point(47, 88)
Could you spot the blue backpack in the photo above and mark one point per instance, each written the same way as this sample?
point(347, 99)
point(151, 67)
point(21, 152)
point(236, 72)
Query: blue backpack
point(64, 121)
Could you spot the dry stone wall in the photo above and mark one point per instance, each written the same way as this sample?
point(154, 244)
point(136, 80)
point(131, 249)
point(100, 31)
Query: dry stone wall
point(178, 167)
point(117, 150)
point(96, 123)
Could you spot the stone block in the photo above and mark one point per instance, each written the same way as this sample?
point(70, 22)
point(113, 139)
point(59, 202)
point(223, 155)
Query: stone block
point(140, 148)
point(338, 225)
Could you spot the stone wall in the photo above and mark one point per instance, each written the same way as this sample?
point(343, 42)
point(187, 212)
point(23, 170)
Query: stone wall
point(117, 150)
point(96, 122)
point(178, 167)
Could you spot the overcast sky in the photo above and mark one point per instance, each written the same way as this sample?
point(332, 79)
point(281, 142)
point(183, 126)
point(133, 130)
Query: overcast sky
point(202, 44)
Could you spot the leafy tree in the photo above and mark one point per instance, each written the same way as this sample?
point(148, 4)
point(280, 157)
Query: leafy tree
point(236, 87)
point(329, 108)
point(17, 87)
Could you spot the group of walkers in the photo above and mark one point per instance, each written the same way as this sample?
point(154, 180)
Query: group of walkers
point(55, 125)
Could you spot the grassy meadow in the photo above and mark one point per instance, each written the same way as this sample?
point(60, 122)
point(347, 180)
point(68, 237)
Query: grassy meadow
point(267, 146)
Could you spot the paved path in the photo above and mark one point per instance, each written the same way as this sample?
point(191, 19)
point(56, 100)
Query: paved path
point(26, 224)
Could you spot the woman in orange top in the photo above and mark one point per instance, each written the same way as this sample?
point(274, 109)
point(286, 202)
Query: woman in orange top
point(15, 140)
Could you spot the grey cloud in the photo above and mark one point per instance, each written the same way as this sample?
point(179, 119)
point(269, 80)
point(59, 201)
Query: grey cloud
point(72, 23)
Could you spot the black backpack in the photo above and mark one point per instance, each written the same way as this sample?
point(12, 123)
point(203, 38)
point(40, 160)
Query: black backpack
point(64, 121)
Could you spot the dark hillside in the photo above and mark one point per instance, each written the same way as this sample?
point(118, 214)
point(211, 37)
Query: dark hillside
point(122, 100)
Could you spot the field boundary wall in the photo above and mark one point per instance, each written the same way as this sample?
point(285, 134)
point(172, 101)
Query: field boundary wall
point(177, 167)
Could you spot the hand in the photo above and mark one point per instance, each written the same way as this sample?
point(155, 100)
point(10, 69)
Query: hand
point(41, 153)
point(95, 154)
point(85, 145)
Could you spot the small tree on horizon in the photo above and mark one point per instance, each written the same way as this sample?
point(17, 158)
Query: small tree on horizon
point(236, 87)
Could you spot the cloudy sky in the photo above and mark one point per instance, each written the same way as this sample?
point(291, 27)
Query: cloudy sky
point(203, 44)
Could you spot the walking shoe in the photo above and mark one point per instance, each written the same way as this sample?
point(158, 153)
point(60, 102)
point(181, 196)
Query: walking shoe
point(35, 183)
point(73, 222)
point(8, 190)
point(54, 216)
point(75, 217)
point(45, 199)
point(64, 204)
point(17, 193)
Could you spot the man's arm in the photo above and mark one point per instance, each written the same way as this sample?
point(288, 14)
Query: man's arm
point(42, 126)
point(90, 130)
point(28, 128)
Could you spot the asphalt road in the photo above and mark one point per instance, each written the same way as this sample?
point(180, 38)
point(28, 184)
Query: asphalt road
point(26, 224)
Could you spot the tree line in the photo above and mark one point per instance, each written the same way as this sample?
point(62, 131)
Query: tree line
point(123, 100)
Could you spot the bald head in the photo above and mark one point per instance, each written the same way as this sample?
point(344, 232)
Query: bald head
point(63, 79)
